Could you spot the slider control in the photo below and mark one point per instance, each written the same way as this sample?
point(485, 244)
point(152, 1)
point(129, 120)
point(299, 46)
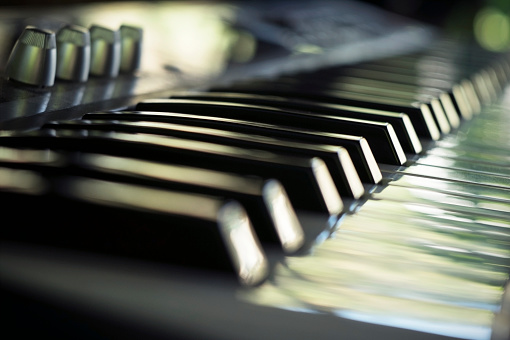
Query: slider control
point(73, 53)
point(105, 52)
point(131, 42)
point(34, 57)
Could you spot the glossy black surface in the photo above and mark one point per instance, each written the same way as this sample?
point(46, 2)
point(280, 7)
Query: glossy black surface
point(400, 122)
point(420, 115)
point(336, 158)
point(193, 227)
point(302, 177)
point(381, 136)
point(358, 148)
point(259, 197)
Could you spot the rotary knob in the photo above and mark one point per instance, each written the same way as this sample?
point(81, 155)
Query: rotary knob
point(33, 59)
point(73, 53)
point(105, 52)
point(131, 42)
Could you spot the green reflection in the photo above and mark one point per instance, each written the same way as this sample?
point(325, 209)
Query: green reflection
point(410, 265)
point(382, 270)
point(492, 29)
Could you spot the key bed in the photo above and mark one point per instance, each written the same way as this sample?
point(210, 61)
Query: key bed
point(361, 199)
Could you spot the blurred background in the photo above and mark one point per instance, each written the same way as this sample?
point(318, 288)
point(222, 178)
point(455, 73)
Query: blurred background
point(488, 21)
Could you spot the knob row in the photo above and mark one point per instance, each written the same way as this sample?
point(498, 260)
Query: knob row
point(40, 56)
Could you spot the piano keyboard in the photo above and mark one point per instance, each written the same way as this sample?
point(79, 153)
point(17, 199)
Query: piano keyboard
point(352, 200)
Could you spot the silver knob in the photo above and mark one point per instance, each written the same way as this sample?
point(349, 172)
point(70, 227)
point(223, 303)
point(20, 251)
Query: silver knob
point(33, 59)
point(105, 52)
point(131, 42)
point(73, 53)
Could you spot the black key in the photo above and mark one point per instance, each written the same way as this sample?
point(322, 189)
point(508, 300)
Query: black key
point(381, 136)
point(358, 148)
point(336, 158)
point(484, 78)
point(265, 201)
point(307, 181)
point(468, 91)
point(420, 115)
point(400, 122)
point(389, 85)
point(388, 91)
point(425, 73)
point(132, 221)
point(410, 81)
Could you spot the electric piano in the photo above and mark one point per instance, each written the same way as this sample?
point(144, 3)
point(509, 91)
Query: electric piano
point(253, 170)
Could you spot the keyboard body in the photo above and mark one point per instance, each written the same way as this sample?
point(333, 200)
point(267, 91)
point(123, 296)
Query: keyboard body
point(424, 254)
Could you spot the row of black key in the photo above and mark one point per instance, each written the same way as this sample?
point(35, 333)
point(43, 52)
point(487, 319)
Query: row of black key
point(311, 142)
